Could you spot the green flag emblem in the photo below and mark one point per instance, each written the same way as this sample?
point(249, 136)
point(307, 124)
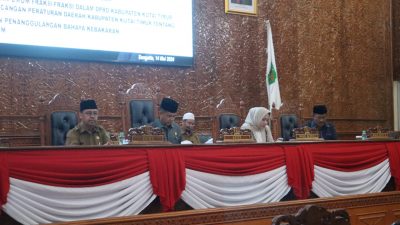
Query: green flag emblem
point(272, 75)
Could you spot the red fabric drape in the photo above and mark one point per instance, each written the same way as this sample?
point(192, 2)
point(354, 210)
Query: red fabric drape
point(347, 157)
point(394, 160)
point(167, 166)
point(4, 179)
point(336, 156)
point(300, 170)
point(235, 160)
point(79, 168)
point(167, 175)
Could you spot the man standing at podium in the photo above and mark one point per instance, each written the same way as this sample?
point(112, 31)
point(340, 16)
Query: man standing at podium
point(326, 130)
point(168, 109)
point(87, 132)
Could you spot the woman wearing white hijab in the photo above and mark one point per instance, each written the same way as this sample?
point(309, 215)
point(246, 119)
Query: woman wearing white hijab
point(257, 122)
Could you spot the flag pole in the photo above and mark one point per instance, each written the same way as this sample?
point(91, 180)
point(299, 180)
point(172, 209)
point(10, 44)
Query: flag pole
point(271, 74)
point(272, 80)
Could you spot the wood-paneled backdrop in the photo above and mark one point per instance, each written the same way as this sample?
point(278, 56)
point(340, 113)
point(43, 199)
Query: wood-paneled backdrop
point(333, 52)
point(396, 39)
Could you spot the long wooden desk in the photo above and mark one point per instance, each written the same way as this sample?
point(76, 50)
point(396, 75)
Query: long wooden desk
point(174, 172)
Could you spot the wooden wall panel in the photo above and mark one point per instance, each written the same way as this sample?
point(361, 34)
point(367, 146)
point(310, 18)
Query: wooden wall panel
point(332, 52)
point(396, 39)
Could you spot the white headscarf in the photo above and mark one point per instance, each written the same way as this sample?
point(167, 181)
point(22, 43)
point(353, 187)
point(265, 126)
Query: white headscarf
point(252, 121)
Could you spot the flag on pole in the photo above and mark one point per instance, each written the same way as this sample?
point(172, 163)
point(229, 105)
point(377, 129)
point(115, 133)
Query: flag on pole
point(274, 95)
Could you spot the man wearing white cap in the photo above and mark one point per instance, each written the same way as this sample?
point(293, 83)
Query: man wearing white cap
point(188, 133)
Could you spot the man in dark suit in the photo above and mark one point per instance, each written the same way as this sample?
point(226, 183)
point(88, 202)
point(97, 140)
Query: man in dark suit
point(326, 130)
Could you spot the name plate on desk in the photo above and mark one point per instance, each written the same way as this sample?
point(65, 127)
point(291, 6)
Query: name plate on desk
point(146, 135)
point(306, 134)
point(235, 135)
point(378, 133)
point(238, 138)
point(379, 138)
point(149, 140)
point(307, 139)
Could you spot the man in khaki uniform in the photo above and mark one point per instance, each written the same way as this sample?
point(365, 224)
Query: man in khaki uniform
point(87, 132)
point(188, 133)
point(172, 131)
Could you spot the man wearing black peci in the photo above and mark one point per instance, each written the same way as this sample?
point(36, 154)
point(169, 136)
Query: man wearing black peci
point(326, 130)
point(87, 132)
point(168, 109)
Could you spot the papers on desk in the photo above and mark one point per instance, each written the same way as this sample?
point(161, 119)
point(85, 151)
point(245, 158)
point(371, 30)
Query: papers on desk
point(209, 141)
point(186, 142)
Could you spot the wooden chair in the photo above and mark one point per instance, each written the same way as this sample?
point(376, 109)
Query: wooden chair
point(59, 115)
point(139, 106)
point(314, 215)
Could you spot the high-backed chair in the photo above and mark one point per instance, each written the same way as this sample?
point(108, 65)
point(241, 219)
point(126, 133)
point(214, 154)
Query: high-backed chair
point(288, 123)
point(139, 106)
point(60, 115)
point(228, 120)
point(314, 215)
point(227, 114)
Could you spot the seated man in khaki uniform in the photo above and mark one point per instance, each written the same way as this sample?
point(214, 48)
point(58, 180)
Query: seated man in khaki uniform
point(87, 132)
point(188, 133)
point(172, 131)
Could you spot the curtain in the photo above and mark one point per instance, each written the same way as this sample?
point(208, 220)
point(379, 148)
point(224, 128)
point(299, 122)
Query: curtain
point(204, 176)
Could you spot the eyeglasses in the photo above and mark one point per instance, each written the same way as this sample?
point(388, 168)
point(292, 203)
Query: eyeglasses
point(91, 113)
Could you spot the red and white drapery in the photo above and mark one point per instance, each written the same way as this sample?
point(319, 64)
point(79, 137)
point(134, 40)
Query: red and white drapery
point(62, 185)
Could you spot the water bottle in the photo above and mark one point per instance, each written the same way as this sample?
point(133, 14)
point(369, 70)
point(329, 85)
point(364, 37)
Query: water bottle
point(364, 135)
point(121, 138)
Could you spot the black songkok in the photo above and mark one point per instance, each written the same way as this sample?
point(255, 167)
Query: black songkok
point(320, 109)
point(88, 104)
point(169, 105)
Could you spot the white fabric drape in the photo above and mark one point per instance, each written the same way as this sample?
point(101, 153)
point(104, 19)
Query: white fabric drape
point(32, 203)
point(205, 190)
point(330, 183)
